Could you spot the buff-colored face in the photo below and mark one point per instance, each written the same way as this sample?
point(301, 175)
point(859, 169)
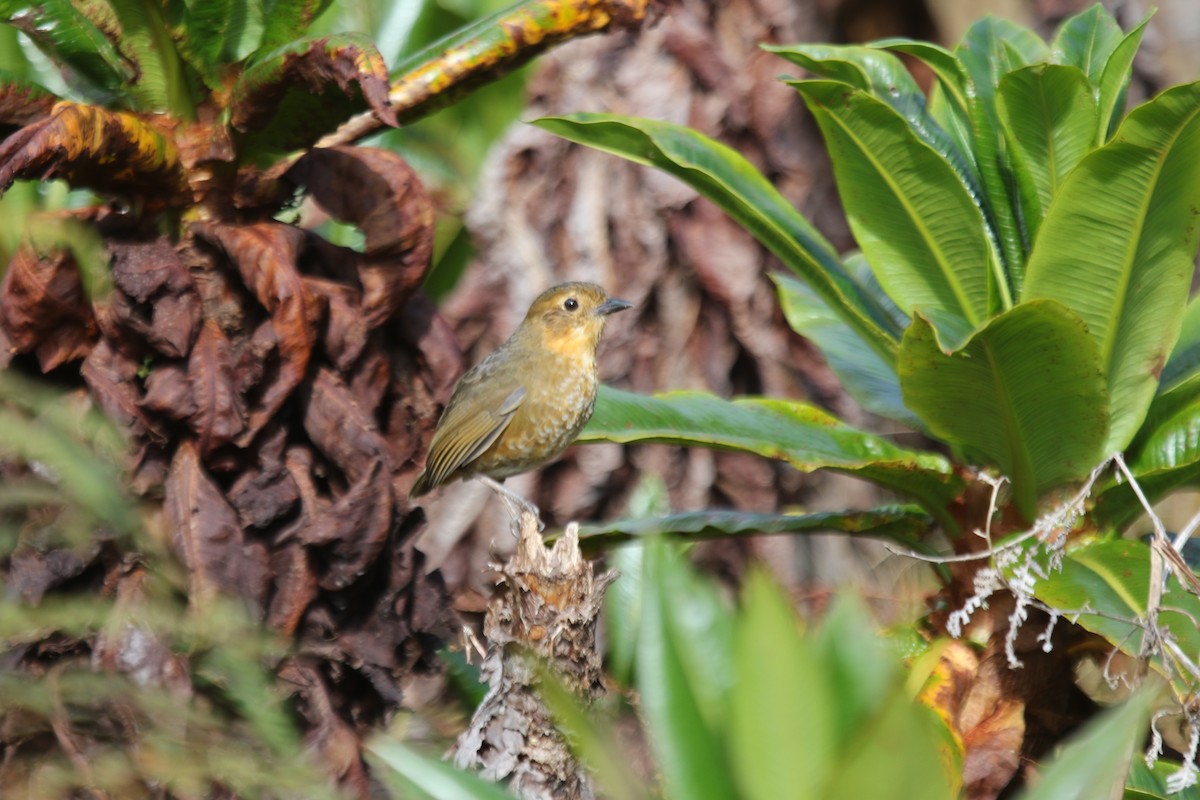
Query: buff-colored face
point(572, 315)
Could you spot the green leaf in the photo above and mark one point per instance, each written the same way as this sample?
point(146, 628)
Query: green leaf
point(1171, 442)
point(594, 741)
point(1087, 41)
point(1097, 759)
point(285, 21)
point(862, 666)
point(624, 599)
point(1117, 246)
point(804, 436)
point(1168, 437)
point(991, 48)
point(1108, 581)
point(870, 380)
point(160, 83)
point(950, 101)
point(906, 524)
point(914, 220)
point(68, 37)
point(729, 180)
point(1049, 118)
point(1117, 506)
point(883, 76)
point(205, 32)
point(1025, 394)
point(784, 710)
point(1115, 79)
point(683, 707)
point(1183, 365)
point(895, 758)
point(433, 777)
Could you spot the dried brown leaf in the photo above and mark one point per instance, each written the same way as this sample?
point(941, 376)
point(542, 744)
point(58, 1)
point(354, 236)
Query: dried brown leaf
point(345, 331)
point(207, 536)
point(169, 392)
point(89, 146)
point(265, 255)
point(156, 299)
point(267, 491)
point(32, 572)
point(112, 378)
point(312, 66)
point(44, 309)
point(377, 191)
point(352, 531)
point(340, 428)
point(295, 582)
point(219, 412)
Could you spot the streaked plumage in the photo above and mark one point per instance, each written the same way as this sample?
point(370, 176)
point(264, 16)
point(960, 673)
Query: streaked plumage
point(525, 403)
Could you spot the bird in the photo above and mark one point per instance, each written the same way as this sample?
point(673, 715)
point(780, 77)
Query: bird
point(525, 403)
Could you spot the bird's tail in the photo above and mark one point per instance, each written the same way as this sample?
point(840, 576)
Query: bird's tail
point(421, 486)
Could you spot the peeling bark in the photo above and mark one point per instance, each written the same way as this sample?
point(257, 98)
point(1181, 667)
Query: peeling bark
point(545, 614)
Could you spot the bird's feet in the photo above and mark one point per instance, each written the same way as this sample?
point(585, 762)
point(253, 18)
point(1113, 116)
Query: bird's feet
point(515, 503)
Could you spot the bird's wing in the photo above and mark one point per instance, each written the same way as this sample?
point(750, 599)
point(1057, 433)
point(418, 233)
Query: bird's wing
point(466, 430)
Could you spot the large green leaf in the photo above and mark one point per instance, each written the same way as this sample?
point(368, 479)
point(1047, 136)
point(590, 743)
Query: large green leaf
point(729, 180)
point(868, 378)
point(1109, 582)
point(1086, 41)
point(68, 37)
point(905, 524)
point(1025, 394)
point(1117, 247)
point(1096, 760)
point(784, 710)
point(914, 220)
point(883, 76)
point(950, 100)
point(682, 684)
point(1049, 115)
point(1115, 79)
point(804, 436)
point(991, 48)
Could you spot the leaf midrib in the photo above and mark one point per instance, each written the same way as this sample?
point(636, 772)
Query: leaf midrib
point(1122, 290)
point(939, 257)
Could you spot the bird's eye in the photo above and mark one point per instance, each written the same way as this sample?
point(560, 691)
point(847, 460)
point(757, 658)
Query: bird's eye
point(570, 304)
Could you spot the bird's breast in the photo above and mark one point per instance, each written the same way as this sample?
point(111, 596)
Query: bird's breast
point(559, 400)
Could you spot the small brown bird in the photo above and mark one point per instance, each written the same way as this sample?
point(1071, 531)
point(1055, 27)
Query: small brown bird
point(525, 403)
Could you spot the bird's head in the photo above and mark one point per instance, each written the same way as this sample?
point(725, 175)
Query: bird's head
point(571, 316)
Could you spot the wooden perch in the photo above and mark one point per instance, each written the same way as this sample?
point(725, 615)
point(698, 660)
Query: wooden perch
point(543, 616)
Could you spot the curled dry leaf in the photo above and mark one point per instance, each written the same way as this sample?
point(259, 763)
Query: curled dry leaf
point(378, 192)
point(169, 392)
point(207, 535)
point(265, 492)
point(43, 307)
point(155, 301)
point(109, 151)
point(219, 412)
point(308, 68)
point(340, 428)
point(265, 255)
point(353, 529)
point(111, 376)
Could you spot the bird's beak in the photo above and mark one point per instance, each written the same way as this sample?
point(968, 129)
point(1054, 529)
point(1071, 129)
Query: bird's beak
point(612, 306)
